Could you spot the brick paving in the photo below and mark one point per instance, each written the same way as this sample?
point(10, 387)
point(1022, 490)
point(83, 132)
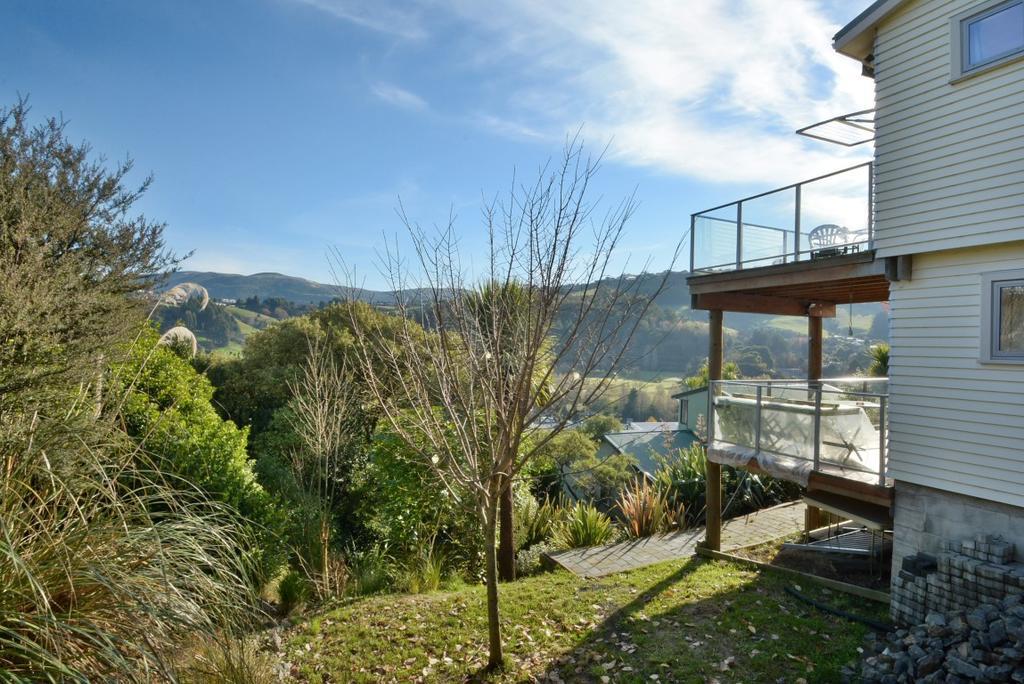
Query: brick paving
point(764, 525)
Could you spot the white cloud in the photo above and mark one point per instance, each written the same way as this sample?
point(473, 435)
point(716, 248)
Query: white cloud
point(394, 19)
point(710, 89)
point(508, 128)
point(398, 97)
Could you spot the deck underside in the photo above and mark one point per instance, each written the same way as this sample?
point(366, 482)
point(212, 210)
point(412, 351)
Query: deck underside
point(809, 288)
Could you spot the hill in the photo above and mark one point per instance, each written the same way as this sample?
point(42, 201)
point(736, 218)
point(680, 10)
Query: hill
point(262, 285)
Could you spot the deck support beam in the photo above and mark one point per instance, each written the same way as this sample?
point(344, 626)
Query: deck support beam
point(751, 303)
point(713, 493)
point(812, 516)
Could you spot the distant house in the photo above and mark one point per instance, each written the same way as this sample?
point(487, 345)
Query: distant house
point(647, 443)
point(693, 408)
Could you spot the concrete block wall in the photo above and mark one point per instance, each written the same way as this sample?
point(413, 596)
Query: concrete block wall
point(952, 552)
point(927, 519)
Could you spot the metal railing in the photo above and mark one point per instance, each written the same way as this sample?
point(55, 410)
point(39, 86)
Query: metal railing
point(839, 425)
point(820, 217)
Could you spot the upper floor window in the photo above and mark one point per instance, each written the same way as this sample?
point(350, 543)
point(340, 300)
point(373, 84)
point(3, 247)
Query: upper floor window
point(1003, 332)
point(987, 36)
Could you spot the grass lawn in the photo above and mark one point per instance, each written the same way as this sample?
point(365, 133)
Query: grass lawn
point(683, 621)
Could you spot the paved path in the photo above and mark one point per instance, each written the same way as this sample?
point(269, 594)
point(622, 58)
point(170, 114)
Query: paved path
point(764, 525)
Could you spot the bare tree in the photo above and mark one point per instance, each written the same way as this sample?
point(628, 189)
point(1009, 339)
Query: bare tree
point(543, 324)
point(327, 417)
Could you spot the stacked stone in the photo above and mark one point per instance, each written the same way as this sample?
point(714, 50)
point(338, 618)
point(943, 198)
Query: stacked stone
point(984, 644)
point(910, 589)
point(966, 574)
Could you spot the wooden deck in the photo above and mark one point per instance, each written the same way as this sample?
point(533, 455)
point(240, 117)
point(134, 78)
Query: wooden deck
point(802, 288)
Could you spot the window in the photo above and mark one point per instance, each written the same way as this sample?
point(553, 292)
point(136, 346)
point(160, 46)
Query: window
point(987, 36)
point(1003, 332)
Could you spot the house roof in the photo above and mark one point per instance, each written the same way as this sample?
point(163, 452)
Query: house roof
point(650, 426)
point(647, 445)
point(687, 393)
point(856, 39)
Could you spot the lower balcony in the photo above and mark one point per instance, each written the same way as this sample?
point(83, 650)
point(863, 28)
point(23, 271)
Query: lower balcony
point(796, 430)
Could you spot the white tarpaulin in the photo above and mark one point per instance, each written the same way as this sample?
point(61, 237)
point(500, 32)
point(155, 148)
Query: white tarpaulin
point(849, 440)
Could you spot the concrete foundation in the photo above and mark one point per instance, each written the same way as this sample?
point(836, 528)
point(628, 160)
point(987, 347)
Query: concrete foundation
point(927, 519)
point(952, 552)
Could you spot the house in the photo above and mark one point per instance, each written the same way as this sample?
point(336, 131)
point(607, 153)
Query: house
point(937, 230)
point(648, 443)
point(647, 446)
point(693, 409)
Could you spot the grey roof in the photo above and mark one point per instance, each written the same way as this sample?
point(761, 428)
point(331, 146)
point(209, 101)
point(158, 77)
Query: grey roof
point(847, 37)
point(645, 445)
point(687, 393)
point(650, 426)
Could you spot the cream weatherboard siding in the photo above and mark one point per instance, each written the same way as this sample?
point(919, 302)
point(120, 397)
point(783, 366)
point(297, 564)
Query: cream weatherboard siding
point(949, 167)
point(955, 423)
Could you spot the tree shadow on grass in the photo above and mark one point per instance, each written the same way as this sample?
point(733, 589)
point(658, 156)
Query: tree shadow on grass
point(714, 621)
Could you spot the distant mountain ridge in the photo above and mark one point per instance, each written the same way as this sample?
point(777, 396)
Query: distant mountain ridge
point(266, 285)
point(303, 291)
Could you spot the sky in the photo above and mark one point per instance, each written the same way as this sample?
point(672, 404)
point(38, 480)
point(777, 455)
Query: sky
point(277, 129)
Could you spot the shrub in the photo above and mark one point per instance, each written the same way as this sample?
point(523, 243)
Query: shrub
point(530, 561)
point(584, 525)
point(230, 660)
point(537, 523)
point(369, 570)
point(105, 567)
point(425, 571)
point(166, 408)
point(647, 511)
point(402, 506)
point(683, 478)
point(292, 591)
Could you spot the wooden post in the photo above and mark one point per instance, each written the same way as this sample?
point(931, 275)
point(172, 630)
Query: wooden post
point(812, 516)
point(814, 348)
point(713, 493)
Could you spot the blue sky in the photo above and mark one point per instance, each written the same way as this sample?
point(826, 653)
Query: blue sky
point(275, 128)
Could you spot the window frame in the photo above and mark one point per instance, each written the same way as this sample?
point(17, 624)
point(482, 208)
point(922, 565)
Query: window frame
point(991, 316)
point(959, 27)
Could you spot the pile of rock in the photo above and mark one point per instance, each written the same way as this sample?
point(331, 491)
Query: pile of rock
point(984, 644)
point(964, 575)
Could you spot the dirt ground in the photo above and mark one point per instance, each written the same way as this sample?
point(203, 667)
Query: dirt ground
point(844, 568)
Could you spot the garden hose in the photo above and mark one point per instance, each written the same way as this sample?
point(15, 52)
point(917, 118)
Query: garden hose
point(882, 627)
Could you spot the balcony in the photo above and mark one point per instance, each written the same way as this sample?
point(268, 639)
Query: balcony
point(823, 217)
point(795, 429)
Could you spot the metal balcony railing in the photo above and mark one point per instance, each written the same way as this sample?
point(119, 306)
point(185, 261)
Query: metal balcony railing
point(817, 218)
point(794, 427)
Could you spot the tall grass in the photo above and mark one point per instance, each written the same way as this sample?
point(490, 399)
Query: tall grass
point(647, 510)
point(538, 523)
point(583, 526)
point(426, 569)
point(369, 569)
point(105, 566)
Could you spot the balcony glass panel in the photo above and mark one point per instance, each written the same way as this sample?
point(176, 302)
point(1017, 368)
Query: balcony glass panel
point(716, 239)
point(768, 229)
point(822, 217)
point(791, 428)
point(834, 213)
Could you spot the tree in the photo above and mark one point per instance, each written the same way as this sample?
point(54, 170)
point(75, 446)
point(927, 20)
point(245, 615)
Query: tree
point(730, 371)
point(879, 367)
point(71, 256)
point(467, 405)
point(328, 419)
point(600, 425)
